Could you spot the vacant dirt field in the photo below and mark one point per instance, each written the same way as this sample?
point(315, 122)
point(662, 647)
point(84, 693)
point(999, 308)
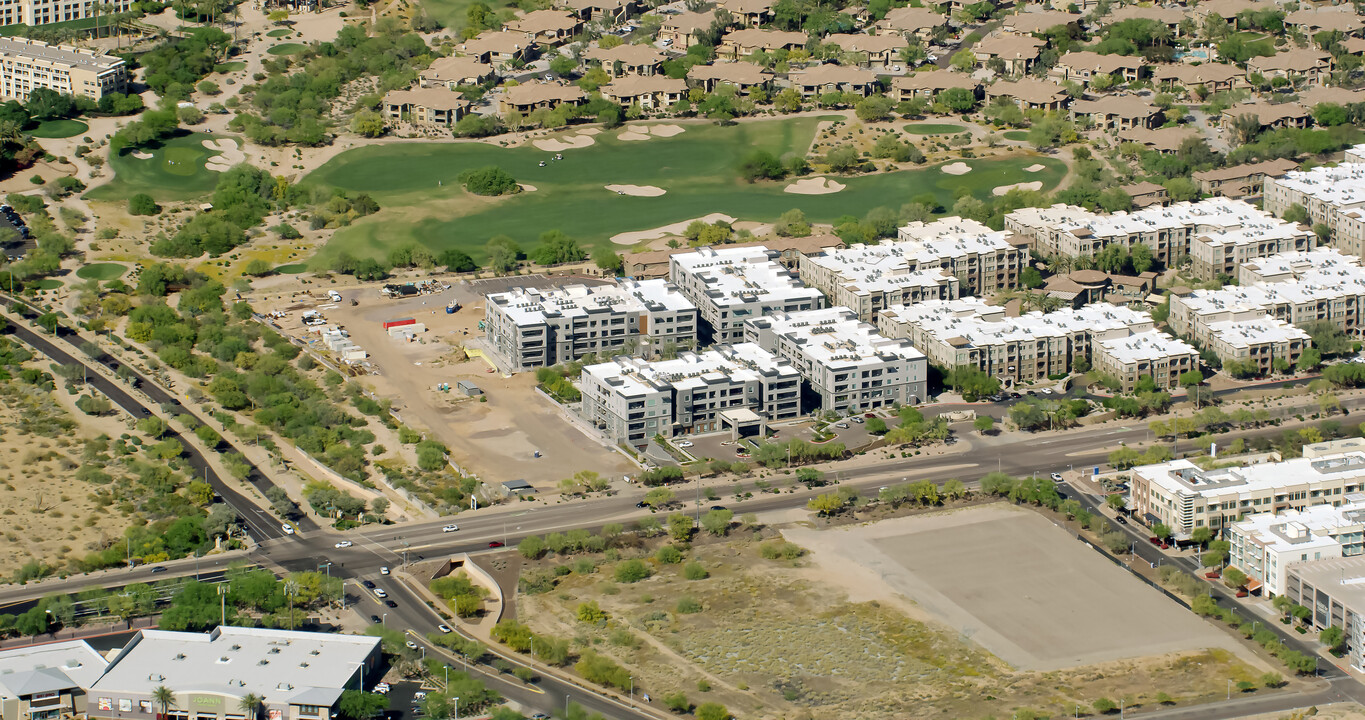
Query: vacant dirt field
point(1018, 585)
point(783, 638)
point(497, 439)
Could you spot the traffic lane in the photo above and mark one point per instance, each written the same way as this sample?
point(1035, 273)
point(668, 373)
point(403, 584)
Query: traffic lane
point(138, 409)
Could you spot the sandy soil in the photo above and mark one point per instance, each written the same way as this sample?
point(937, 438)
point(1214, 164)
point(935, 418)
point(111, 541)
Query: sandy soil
point(636, 190)
point(1002, 189)
point(636, 133)
point(814, 186)
point(665, 130)
point(229, 155)
point(565, 142)
point(1342, 711)
point(1059, 612)
point(1035, 168)
point(497, 439)
point(140, 155)
point(957, 168)
point(527, 188)
point(677, 228)
point(632, 136)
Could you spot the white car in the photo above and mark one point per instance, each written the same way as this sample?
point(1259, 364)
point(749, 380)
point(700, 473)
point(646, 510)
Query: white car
point(379, 593)
point(411, 646)
point(857, 419)
point(444, 628)
point(384, 570)
point(1056, 477)
point(450, 528)
point(382, 688)
point(841, 425)
point(287, 528)
point(1047, 391)
point(685, 444)
point(344, 544)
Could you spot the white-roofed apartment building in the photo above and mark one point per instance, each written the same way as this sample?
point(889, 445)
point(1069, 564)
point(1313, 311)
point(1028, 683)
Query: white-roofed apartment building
point(730, 285)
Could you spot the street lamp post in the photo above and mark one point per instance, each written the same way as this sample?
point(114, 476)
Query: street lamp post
point(384, 620)
point(632, 689)
point(457, 709)
point(1229, 689)
point(566, 706)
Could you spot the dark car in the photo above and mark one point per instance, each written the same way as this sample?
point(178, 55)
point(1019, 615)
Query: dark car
point(369, 584)
point(717, 507)
point(374, 619)
point(1121, 520)
point(390, 603)
point(495, 544)
point(159, 568)
point(641, 504)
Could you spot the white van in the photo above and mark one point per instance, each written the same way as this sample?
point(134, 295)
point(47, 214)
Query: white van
point(334, 295)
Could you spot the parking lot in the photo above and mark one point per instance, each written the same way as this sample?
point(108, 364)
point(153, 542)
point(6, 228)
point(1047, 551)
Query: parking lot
point(719, 445)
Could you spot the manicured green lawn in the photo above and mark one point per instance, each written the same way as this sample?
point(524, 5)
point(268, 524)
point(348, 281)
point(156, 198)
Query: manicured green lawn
point(418, 188)
point(174, 172)
point(280, 32)
point(63, 128)
point(292, 269)
point(1020, 135)
point(103, 272)
point(287, 49)
point(229, 67)
point(451, 13)
point(934, 129)
point(46, 284)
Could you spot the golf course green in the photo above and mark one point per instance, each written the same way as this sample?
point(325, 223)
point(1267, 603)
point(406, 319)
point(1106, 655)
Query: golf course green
point(103, 272)
point(55, 129)
point(1019, 135)
point(287, 49)
point(174, 172)
point(279, 33)
point(418, 187)
point(291, 269)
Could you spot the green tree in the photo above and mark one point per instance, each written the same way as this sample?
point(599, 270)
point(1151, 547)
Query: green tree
point(712, 711)
point(717, 522)
point(761, 165)
point(984, 423)
point(143, 204)
point(680, 527)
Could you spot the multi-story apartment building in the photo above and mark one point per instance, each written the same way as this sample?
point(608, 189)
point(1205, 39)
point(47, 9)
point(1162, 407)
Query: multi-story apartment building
point(1334, 590)
point(1334, 294)
point(1261, 341)
point(1183, 496)
point(1220, 252)
point(632, 400)
point(732, 284)
point(847, 364)
point(44, 12)
point(969, 333)
point(1332, 196)
point(1170, 232)
point(867, 279)
point(29, 64)
point(983, 260)
point(1149, 354)
point(1285, 267)
point(534, 328)
point(1265, 545)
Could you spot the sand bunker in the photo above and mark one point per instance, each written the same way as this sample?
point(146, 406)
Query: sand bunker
point(813, 186)
point(957, 168)
point(677, 228)
point(1035, 168)
point(1002, 189)
point(635, 133)
point(229, 155)
point(567, 142)
point(140, 155)
point(527, 188)
point(636, 190)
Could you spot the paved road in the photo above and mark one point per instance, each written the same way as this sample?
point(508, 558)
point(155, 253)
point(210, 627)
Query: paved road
point(260, 523)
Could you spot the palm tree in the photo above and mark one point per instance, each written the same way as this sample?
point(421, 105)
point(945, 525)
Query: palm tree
point(163, 698)
point(250, 704)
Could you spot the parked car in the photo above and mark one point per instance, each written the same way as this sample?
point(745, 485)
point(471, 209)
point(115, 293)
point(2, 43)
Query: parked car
point(841, 425)
point(450, 528)
point(444, 628)
point(383, 687)
point(411, 646)
point(1121, 520)
point(857, 419)
point(1047, 391)
point(374, 619)
point(1056, 477)
point(287, 528)
point(685, 444)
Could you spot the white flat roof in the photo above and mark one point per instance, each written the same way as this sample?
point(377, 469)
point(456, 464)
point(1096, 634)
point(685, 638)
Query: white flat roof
point(1146, 346)
point(1255, 331)
point(1342, 185)
point(282, 666)
point(742, 362)
point(533, 306)
point(949, 237)
point(981, 325)
point(1301, 530)
point(741, 275)
point(1311, 286)
point(1184, 477)
point(44, 668)
point(835, 337)
point(1294, 264)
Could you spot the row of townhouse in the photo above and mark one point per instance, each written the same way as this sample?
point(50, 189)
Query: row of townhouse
point(1332, 294)
point(1216, 233)
point(969, 333)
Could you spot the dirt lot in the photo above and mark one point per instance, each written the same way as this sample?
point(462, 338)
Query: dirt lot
point(47, 513)
point(1016, 584)
point(497, 439)
point(777, 638)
